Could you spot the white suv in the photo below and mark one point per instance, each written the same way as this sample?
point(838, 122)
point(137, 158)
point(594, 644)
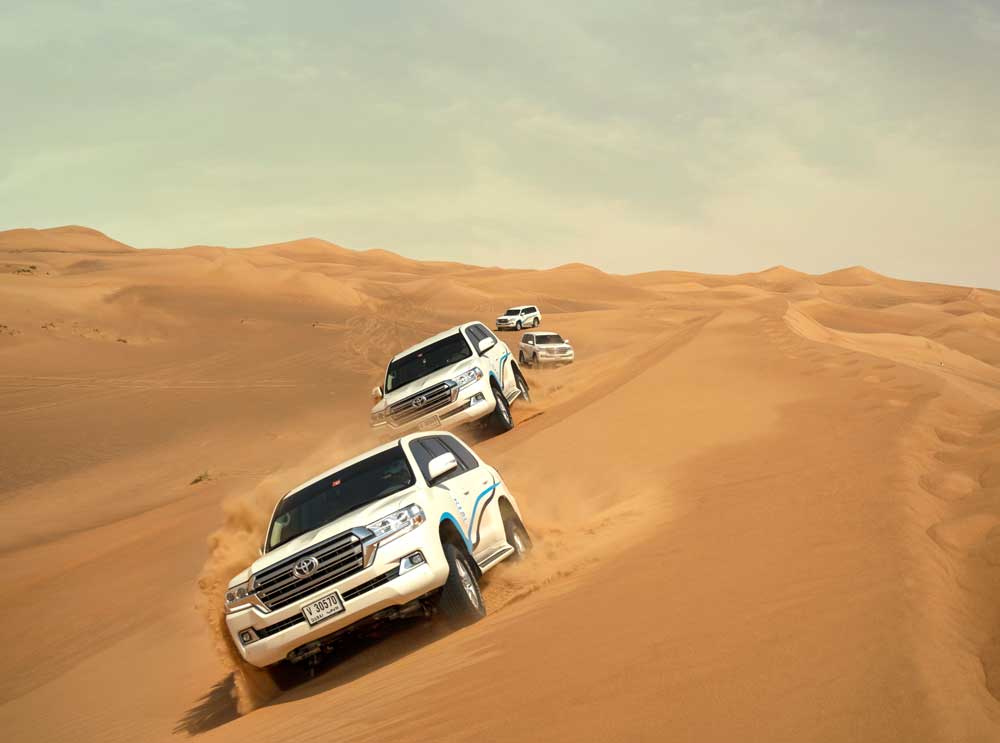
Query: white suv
point(544, 348)
point(405, 529)
point(461, 375)
point(516, 318)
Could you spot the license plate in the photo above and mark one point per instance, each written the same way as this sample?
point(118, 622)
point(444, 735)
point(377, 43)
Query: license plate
point(322, 609)
point(430, 423)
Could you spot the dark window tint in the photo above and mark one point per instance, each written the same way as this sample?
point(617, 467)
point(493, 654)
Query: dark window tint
point(474, 335)
point(461, 452)
point(532, 309)
point(485, 332)
point(425, 449)
point(529, 339)
point(336, 495)
point(427, 360)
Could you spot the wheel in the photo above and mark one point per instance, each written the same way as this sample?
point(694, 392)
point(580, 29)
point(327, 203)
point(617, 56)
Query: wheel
point(518, 324)
point(501, 418)
point(520, 357)
point(460, 600)
point(522, 385)
point(517, 537)
point(534, 359)
point(536, 323)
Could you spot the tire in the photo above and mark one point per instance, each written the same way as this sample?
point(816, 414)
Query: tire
point(517, 537)
point(522, 384)
point(520, 357)
point(537, 322)
point(501, 417)
point(534, 359)
point(461, 602)
point(518, 324)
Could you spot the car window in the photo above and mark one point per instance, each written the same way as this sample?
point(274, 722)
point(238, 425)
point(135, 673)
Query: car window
point(461, 452)
point(425, 361)
point(336, 495)
point(485, 332)
point(425, 449)
point(474, 335)
point(529, 339)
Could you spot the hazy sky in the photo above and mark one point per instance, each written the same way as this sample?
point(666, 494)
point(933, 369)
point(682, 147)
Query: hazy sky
point(712, 136)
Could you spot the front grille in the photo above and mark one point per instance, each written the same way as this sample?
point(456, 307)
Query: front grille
point(338, 558)
point(434, 398)
point(347, 595)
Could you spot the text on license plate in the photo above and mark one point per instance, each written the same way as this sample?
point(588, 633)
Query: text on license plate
point(323, 608)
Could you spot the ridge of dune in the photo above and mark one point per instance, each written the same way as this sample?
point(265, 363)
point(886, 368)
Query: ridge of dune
point(850, 276)
point(68, 238)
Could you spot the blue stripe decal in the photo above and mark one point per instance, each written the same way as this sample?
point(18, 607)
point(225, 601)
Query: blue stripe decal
point(502, 359)
point(479, 497)
point(446, 516)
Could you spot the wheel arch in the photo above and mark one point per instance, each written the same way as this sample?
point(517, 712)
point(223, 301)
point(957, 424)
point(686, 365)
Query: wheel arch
point(450, 533)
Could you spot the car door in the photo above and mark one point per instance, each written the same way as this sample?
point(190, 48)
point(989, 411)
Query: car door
point(485, 525)
point(496, 360)
point(456, 487)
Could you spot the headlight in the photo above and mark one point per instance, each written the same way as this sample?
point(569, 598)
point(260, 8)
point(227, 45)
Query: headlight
point(466, 378)
point(237, 594)
point(397, 524)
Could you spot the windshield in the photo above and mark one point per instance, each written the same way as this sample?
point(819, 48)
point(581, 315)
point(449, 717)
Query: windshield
point(338, 494)
point(511, 313)
point(427, 360)
point(548, 338)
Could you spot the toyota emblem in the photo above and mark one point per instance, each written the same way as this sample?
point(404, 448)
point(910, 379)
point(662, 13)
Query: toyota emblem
point(306, 567)
point(418, 401)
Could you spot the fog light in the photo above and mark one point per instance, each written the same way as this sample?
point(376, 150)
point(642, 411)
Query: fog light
point(246, 637)
point(411, 561)
point(477, 398)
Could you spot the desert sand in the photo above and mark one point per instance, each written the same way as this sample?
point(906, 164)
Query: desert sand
point(766, 506)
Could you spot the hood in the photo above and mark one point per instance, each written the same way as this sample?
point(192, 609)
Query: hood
point(357, 518)
point(429, 381)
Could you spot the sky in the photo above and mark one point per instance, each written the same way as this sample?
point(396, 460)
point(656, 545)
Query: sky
point(708, 136)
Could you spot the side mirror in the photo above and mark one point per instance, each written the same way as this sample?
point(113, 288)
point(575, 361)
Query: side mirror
point(377, 393)
point(566, 341)
point(441, 465)
point(485, 345)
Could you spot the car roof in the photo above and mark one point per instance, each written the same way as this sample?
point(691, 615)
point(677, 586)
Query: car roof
point(520, 306)
point(365, 455)
point(537, 333)
point(434, 339)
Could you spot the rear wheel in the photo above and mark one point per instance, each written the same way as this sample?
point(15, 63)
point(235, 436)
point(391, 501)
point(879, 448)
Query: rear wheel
point(461, 601)
point(522, 385)
point(517, 537)
point(502, 420)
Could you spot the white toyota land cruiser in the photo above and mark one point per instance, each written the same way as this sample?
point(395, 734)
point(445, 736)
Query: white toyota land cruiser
point(461, 375)
point(525, 316)
point(544, 348)
point(405, 529)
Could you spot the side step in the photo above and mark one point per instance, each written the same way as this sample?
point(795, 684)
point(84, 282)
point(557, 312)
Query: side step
point(495, 557)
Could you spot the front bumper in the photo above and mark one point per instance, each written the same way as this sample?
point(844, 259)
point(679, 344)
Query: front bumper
point(473, 402)
point(556, 358)
point(286, 629)
point(506, 324)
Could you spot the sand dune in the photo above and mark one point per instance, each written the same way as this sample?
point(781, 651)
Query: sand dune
point(766, 506)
